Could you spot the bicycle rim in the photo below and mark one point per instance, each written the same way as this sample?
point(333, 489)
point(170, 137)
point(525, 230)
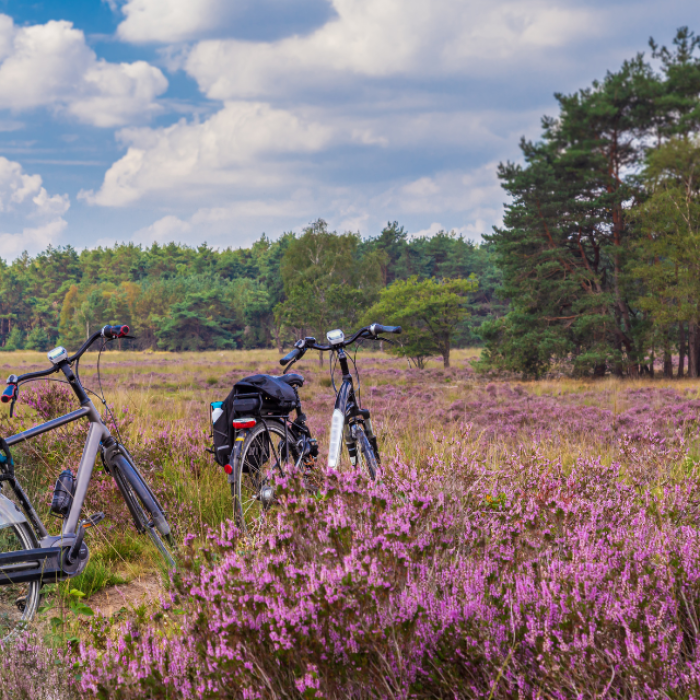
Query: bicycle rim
point(256, 468)
point(18, 602)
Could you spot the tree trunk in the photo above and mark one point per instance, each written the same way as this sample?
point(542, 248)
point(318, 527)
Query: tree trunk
point(693, 350)
point(681, 349)
point(599, 370)
point(668, 360)
point(320, 359)
point(446, 357)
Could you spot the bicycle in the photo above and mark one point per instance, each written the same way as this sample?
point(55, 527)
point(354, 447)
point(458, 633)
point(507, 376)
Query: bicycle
point(349, 421)
point(254, 436)
point(29, 555)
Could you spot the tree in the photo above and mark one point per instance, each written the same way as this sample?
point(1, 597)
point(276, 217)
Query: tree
point(428, 311)
point(15, 341)
point(38, 339)
point(668, 252)
point(328, 282)
point(566, 236)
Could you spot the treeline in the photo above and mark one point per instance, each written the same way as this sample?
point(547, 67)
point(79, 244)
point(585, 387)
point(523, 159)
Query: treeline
point(178, 298)
point(600, 246)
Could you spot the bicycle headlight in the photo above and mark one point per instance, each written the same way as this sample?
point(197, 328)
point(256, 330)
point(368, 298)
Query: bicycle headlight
point(58, 355)
point(335, 337)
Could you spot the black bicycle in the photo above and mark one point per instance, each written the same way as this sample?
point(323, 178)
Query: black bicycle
point(350, 422)
point(255, 435)
point(29, 556)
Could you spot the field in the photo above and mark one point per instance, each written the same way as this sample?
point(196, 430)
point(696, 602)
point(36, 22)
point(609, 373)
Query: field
point(526, 540)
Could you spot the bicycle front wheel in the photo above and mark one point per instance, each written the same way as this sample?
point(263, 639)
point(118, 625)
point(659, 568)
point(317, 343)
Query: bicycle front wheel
point(255, 470)
point(18, 601)
point(365, 451)
point(137, 494)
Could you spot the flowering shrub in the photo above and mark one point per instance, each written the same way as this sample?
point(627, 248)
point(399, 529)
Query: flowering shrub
point(457, 581)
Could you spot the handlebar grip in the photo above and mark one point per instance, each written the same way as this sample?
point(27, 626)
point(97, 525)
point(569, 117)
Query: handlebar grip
point(115, 331)
point(293, 355)
point(9, 394)
point(378, 328)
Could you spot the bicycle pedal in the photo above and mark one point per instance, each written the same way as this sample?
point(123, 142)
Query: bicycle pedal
point(93, 520)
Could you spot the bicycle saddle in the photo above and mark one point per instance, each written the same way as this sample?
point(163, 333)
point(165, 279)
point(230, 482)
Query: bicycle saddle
point(291, 379)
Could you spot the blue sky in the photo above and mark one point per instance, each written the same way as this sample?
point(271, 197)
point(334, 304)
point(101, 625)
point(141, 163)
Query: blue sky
point(218, 120)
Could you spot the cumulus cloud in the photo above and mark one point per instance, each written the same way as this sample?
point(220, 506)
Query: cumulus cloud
point(382, 38)
point(170, 21)
point(50, 65)
point(173, 21)
point(229, 149)
point(25, 203)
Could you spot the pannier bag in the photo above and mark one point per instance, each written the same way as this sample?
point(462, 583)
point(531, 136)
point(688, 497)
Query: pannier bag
point(259, 395)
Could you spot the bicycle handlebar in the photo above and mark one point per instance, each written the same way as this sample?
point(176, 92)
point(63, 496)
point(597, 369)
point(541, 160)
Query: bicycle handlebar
point(108, 332)
point(291, 356)
point(301, 346)
point(112, 332)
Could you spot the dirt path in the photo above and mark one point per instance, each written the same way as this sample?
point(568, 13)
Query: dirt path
point(143, 590)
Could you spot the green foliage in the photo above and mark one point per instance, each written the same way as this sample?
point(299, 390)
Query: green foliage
point(328, 280)
point(38, 339)
point(15, 340)
point(179, 298)
point(428, 311)
point(572, 248)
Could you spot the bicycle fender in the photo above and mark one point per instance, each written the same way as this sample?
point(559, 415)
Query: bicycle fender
point(10, 514)
point(236, 454)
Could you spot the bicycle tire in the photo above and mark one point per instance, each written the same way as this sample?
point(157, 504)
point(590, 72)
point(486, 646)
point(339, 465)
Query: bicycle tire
point(143, 522)
point(365, 451)
point(250, 474)
point(18, 602)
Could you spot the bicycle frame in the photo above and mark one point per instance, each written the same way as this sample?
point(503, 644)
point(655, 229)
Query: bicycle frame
point(97, 434)
point(345, 413)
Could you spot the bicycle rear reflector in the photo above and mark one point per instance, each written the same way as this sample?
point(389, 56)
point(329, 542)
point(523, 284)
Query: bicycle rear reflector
point(242, 423)
point(228, 468)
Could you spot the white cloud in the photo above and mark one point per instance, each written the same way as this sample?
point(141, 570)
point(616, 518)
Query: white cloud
point(50, 65)
point(28, 205)
point(169, 21)
point(169, 228)
point(381, 38)
point(229, 149)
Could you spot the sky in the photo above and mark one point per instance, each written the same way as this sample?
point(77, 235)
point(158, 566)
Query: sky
point(219, 120)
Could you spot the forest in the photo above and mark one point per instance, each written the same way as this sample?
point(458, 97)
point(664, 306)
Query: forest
point(179, 298)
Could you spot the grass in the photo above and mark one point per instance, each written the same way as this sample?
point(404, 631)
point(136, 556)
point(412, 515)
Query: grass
point(161, 401)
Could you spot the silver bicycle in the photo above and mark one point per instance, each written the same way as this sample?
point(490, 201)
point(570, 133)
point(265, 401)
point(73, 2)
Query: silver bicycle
point(29, 555)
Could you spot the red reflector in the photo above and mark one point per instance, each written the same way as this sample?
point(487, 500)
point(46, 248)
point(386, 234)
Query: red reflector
point(241, 423)
point(228, 468)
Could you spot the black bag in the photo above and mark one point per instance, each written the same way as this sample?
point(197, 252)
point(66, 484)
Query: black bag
point(257, 396)
point(222, 436)
point(275, 396)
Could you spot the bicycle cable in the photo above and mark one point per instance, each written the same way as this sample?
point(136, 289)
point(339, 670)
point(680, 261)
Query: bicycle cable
point(102, 391)
point(357, 371)
point(332, 364)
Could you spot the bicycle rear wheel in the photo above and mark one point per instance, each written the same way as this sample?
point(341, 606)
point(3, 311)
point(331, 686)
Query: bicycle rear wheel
point(18, 601)
point(254, 472)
